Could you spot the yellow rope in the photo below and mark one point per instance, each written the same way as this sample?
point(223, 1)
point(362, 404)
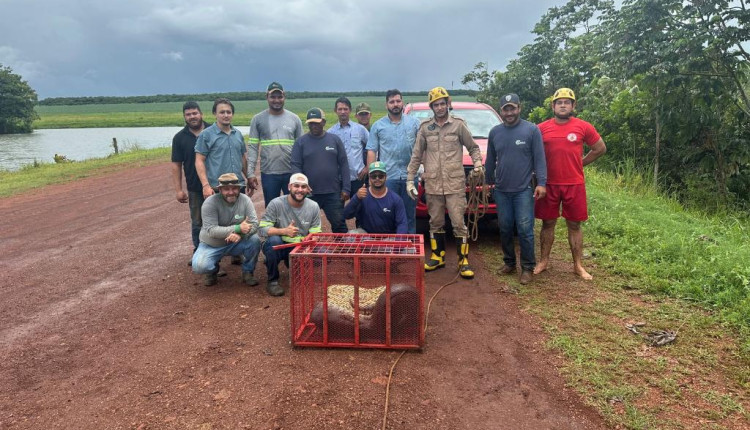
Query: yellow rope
point(476, 205)
point(390, 373)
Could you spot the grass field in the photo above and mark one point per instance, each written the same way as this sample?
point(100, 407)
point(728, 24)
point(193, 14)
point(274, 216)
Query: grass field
point(170, 114)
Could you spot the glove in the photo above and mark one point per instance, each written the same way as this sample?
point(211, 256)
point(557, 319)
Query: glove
point(478, 172)
point(411, 190)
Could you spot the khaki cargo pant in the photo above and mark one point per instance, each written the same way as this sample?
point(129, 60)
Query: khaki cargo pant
point(456, 205)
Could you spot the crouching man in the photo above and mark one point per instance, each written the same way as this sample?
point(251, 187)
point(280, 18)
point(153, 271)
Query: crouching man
point(288, 219)
point(229, 227)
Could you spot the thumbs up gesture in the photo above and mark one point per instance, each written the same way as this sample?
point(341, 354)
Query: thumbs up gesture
point(292, 230)
point(362, 192)
point(246, 226)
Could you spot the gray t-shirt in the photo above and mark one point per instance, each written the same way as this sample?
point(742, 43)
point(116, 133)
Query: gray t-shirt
point(275, 136)
point(219, 219)
point(279, 214)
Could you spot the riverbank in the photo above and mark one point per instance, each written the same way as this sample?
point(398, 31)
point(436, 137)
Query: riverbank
point(42, 174)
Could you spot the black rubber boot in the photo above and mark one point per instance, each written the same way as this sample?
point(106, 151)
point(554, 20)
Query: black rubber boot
point(437, 259)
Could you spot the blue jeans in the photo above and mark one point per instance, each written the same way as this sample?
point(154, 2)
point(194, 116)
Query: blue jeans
point(274, 185)
point(333, 207)
point(398, 186)
point(273, 258)
point(195, 201)
point(206, 257)
point(516, 210)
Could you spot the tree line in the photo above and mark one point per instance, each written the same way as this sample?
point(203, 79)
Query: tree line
point(664, 81)
point(234, 96)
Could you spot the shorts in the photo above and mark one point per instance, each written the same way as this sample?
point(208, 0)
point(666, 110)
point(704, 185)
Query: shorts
point(571, 197)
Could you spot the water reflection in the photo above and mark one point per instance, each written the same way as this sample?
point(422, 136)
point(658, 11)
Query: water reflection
point(77, 144)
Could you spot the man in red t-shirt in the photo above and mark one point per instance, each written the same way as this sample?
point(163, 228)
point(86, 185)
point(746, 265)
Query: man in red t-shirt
point(564, 137)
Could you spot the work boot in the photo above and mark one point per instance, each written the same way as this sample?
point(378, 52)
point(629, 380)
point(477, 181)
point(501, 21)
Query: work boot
point(508, 269)
point(273, 288)
point(210, 279)
point(462, 246)
point(219, 271)
point(437, 259)
point(249, 279)
point(526, 276)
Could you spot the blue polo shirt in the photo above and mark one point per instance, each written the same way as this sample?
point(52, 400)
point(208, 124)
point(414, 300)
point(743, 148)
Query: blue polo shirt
point(224, 153)
point(394, 141)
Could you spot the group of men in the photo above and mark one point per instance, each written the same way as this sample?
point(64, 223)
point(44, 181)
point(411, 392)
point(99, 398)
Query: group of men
point(374, 169)
point(340, 165)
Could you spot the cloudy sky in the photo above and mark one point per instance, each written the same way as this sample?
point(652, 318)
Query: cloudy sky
point(140, 47)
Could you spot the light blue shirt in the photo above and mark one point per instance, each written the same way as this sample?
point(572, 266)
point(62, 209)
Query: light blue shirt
point(394, 141)
point(224, 153)
point(354, 136)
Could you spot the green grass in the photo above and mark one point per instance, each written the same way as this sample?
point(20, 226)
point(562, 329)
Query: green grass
point(665, 249)
point(41, 174)
point(170, 114)
point(670, 268)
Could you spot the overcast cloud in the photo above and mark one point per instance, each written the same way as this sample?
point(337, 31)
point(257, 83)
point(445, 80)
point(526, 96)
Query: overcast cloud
point(140, 47)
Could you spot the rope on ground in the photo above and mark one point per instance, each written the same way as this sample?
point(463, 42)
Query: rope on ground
point(476, 204)
point(390, 373)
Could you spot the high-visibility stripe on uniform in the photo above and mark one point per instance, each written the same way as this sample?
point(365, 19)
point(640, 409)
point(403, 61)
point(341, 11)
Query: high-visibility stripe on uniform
point(271, 142)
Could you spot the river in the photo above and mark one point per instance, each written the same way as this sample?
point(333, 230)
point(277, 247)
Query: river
point(17, 150)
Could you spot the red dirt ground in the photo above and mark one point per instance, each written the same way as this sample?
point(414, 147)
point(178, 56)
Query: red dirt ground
point(104, 326)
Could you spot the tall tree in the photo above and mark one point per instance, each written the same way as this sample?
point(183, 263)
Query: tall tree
point(17, 100)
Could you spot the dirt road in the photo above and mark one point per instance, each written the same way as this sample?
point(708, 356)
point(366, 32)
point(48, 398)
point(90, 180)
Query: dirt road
point(104, 326)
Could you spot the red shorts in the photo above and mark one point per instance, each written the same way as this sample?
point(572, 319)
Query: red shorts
point(571, 197)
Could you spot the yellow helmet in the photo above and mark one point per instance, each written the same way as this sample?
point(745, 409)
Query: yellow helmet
point(436, 93)
point(564, 93)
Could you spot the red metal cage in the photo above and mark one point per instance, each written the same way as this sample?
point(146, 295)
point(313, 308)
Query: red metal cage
point(358, 291)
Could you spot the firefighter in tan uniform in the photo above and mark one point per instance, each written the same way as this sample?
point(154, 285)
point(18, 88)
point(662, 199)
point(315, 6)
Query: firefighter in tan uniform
point(439, 147)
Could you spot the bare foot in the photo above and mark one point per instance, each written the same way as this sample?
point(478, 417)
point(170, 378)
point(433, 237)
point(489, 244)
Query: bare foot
point(580, 271)
point(541, 267)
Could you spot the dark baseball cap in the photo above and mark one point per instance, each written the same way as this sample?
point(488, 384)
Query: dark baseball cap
point(510, 99)
point(315, 115)
point(274, 86)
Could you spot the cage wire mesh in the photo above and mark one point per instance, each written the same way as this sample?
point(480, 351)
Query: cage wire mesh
point(358, 291)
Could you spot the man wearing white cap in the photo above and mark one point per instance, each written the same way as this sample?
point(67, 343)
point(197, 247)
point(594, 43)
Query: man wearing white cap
point(229, 227)
point(288, 219)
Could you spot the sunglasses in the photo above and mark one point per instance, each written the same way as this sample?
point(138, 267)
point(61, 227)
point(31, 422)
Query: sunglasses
point(377, 176)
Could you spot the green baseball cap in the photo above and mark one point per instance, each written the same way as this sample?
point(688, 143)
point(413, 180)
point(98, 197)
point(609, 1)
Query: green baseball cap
point(362, 107)
point(377, 166)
